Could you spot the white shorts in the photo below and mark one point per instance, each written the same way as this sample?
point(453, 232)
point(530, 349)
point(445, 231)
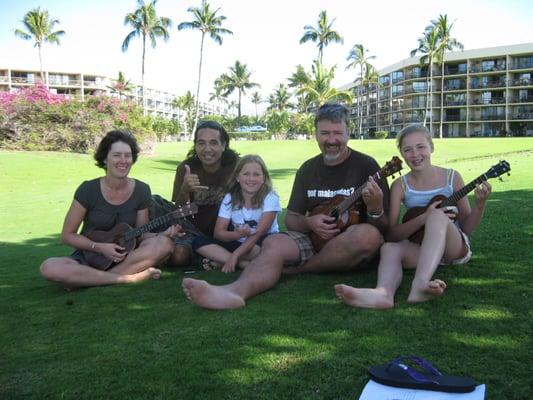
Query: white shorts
point(466, 257)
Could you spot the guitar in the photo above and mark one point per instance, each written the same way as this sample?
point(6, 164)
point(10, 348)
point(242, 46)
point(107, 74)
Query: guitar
point(342, 207)
point(495, 171)
point(126, 236)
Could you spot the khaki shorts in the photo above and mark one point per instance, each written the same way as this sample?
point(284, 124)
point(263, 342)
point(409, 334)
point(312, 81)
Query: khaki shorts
point(303, 241)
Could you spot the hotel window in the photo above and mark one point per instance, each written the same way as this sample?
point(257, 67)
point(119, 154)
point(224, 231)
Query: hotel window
point(397, 90)
point(488, 65)
point(397, 76)
point(384, 80)
point(461, 68)
point(419, 87)
point(524, 62)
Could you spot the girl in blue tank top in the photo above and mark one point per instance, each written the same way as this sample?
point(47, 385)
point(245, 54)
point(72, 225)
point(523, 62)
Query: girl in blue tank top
point(445, 230)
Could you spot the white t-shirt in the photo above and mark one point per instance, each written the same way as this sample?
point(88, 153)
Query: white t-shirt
point(241, 216)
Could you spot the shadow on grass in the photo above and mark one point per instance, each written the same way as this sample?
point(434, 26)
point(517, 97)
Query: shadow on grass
point(294, 341)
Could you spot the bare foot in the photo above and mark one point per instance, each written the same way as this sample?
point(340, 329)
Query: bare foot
point(364, 298)
point(150, 273)
point(209, 265)
point(209, 296)
point(421, 291)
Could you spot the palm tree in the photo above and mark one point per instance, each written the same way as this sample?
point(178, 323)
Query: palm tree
point(280, 99)
point(256, 99)
point(146, 24)
point(445, 42)
point(186, 103)
point(319, 89)
point(298, 79)
point(206, 21)
point(40, 28)
point(370, 80)
point(359, 59)
point(237, 78)
point(322, 35)
point(427, 46)
point(121, 85)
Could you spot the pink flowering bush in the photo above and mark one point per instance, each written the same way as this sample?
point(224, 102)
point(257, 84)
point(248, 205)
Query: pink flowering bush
point(36, 119)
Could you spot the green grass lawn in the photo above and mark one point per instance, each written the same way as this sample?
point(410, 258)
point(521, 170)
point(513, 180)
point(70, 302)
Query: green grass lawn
point(296, 341)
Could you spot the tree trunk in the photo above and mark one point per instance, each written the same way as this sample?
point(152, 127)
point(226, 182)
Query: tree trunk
point(239, 109)
point(142, 77)
point(197, 108)
point(41, 66)
point(431, 97)
point(441, 96)
point(426, 110)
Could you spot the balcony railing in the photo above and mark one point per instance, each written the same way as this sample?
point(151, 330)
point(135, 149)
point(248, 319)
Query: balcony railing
point(4, 78)
point(451, 118)
point(454, 71)
point(461, 86)
point(95, 84)
point(528, 99)
point(496, 100)
point(522, 82)
point(485, 85)
point(63, 82)
point(480, 68)
point(521, 65)
point(28, 81)
point(522, 116)
point(455, 102)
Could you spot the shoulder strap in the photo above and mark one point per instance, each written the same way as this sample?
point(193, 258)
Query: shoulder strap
point(449, 179)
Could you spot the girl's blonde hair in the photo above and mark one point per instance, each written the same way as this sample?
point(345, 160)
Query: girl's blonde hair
point(234, 188)
point(412, 128)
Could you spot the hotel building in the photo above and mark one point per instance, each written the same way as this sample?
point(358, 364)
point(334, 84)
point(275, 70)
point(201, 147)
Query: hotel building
point(485, 92)
point(81, 85)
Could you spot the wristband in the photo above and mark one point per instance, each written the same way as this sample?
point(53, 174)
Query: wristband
point(374, 215)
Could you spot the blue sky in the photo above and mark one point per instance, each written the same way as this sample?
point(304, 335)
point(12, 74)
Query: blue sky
point(266, 36)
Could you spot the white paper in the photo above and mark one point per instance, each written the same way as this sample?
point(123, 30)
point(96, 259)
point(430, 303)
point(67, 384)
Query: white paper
point(376, 391)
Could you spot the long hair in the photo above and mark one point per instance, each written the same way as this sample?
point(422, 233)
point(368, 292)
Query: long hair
point(229, 156)
point(234, 188)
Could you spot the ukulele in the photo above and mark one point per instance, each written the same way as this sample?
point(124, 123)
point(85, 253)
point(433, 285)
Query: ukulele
point(126, 236)
point(342, 207)
point(495, 171)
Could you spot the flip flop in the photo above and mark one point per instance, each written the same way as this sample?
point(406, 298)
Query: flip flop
point(426, 377)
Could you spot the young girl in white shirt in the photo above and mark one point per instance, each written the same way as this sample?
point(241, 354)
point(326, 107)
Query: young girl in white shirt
point(247, 214)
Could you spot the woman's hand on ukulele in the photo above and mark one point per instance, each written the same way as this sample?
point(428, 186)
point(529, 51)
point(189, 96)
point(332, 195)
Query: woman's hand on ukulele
point(174, 231)
point(373, 196)
point(191, 182)
point(113, 251)
point(323, 225)
point(482, 193)
point(230, 264)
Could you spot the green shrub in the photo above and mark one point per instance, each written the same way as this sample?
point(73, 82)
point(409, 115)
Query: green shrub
point(381, 134)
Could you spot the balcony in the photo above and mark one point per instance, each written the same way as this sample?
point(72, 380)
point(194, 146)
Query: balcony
point(522, 116)
point(4, 79)
point(488, 117)
point(97, 84)
point(487, 85)
point(479, 68)
point(63, 82)
point(522, 82)
point(454, 118)
point(449, 88)
point(455, 102)
point(526, 99)
point(521, 65)
point(495, 100)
